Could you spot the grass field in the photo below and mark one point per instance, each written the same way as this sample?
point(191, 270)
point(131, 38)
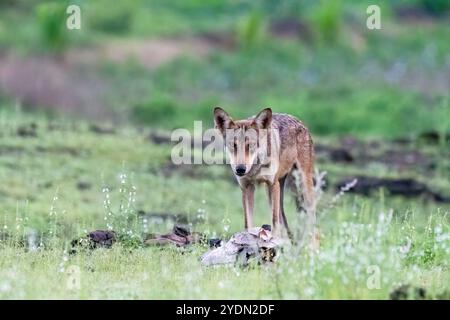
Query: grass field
point(59, 174)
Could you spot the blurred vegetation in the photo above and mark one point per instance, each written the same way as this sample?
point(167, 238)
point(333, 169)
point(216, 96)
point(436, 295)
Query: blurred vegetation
point(251, 30)
point(52, 24)
point(327, 20)
point(330, 70)
point(436, 7)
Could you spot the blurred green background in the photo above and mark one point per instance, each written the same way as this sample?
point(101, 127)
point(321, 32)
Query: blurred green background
point(165, 63)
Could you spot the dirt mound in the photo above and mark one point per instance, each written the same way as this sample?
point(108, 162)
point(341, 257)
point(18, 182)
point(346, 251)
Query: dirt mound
point(407, 187)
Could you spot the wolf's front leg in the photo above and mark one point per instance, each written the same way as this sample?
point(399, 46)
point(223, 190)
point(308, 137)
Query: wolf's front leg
point(248, 194)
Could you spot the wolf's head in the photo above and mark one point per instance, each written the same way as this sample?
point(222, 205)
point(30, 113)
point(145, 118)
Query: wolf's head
point(246, 141)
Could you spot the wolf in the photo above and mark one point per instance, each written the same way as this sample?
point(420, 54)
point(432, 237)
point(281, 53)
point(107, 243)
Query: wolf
point(266, 148)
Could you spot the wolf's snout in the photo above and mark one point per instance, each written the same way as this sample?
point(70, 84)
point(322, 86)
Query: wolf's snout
point(240, 169)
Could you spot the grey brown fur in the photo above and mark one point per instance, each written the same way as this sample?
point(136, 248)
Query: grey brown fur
point(290, 147)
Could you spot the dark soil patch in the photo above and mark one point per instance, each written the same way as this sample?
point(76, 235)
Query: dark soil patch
point(350, 151)
point(83, 185)
point(407, 292)
point(291, 28)
point(334, 154)
point(409, 188)
point(434, 137)
point(225, 41)
point(160, 138)
point(27, 130)
point(63, 150)
point(427, 12)
point(165, 138)
point(394, 154)
point(98, 129)
point(403, 160)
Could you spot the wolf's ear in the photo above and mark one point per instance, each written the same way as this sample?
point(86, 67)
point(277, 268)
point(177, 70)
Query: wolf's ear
point(263, 119)
point(222, 120)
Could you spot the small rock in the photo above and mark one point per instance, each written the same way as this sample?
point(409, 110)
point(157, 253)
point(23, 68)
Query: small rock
point(102, 129)
point(180, 236)
point(95, 239)
point(102, 238)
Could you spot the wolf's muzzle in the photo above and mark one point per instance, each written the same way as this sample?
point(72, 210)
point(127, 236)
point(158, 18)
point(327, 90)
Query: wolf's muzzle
point(240, 170)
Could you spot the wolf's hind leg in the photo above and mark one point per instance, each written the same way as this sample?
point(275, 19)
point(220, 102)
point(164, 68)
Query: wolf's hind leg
point(306, 166)
point(283, 215)
point(274, 192)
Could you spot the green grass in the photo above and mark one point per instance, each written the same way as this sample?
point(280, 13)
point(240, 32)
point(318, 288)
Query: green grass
point(336, 90)
point(64, 179)
point(39, 192)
